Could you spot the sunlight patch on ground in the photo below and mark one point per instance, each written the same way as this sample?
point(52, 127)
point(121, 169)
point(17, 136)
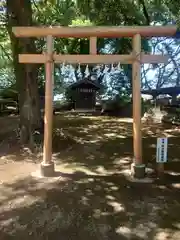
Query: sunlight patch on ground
point(19, 201)
point(115, 135)
point(122, 164)
point(174, 130)
point(166, 234)
point(125, 160)
point(176, 185)
point(104, 119)
point(144, 228)
point(13, 170)
point(124, 231)
point(125, 120)
point(69, 168)
point(118, 207)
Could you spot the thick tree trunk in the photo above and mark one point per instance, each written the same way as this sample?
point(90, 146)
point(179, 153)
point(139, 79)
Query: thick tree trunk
point(19, 13)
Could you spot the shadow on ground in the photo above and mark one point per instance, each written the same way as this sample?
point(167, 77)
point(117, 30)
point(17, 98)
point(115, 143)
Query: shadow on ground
point(99, 144)
point(104, 144)
point(82, 206)
point(97, 201)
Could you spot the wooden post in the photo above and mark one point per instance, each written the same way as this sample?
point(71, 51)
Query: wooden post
point(92, 58)
point(138, 166)
point(47, 166)
point(93, 45)
point(160, 170)
point(93, 51)
point(101, 32)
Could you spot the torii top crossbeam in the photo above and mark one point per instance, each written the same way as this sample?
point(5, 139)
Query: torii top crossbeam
point(101, 32)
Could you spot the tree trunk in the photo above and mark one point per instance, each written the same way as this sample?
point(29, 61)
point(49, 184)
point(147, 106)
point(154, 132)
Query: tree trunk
point(19, 13)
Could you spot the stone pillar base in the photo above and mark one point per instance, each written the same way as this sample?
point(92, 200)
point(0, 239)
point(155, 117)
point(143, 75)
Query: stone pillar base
point(138, 170)
point(47, 170)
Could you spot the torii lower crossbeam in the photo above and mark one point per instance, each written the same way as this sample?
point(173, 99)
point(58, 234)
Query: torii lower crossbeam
point(91, 59)
point(136, 58)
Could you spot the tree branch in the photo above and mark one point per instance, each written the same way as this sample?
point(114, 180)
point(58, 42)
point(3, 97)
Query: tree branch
point(145, 12)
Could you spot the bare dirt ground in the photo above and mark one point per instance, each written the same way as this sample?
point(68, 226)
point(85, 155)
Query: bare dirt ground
point(91, 198)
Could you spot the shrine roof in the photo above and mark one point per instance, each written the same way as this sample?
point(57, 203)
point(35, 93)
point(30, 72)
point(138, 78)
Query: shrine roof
point(86, 81)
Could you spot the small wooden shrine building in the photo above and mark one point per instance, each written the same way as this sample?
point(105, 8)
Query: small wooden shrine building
point(83, 94)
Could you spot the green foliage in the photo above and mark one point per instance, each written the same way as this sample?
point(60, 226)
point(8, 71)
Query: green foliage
point(111, 12)
point(54, 12)
point(10, 93)
point(6, 61)
point(69, 95)
point(87, 13)
point(117, 103)
point(172, 115)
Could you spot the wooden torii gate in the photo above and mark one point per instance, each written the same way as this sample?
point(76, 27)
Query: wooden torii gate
point(136, 58)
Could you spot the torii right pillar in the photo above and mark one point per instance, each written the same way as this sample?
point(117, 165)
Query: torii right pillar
point(138, 167)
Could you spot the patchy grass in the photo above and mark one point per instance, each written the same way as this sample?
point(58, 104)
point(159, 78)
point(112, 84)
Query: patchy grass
point(91, 198)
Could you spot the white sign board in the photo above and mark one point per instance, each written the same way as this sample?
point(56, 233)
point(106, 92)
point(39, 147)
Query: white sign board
point(161, 150)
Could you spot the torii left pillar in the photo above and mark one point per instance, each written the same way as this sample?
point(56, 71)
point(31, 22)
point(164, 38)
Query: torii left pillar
point(138, 167)
point(47, 166)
